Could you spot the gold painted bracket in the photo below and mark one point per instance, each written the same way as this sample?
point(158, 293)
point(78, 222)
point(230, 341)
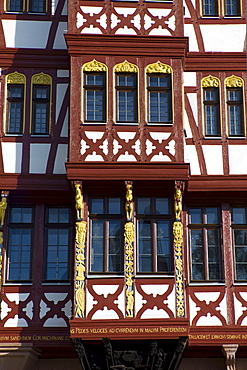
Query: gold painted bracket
point(129, 237)
point(3, 208)
point(178, 249)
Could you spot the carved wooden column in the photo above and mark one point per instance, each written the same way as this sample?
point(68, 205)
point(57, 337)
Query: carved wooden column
point(129, 237)
point(80, 241)
point(178, 250)
point(229, 351)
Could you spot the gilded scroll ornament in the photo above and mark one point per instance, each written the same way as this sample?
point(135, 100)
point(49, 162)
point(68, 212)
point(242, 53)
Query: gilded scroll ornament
point(158, 67)
point(81, 229)
point(129, 237)
point(41, 79)
point(178, 242)
point(94, 66)
point(234, 81)
point(125, 67)
point(16, 78)
point(210, 81)
point(3, 207)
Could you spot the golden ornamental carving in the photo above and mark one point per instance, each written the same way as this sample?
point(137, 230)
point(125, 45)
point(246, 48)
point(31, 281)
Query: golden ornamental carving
point(234, 81)
point(94, 66)
point(178, 204)
point(3, 207)
point(16, 78)
point(81, 229)
point(125, 67)
point(78, 202)
point(129, 202)
point(178, 242)
point(129, 237)
point(41, 79)
point(158, 67)
point(210, 81)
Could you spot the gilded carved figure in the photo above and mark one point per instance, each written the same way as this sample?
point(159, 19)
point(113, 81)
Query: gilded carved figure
point(3, 207)
point(78, 202)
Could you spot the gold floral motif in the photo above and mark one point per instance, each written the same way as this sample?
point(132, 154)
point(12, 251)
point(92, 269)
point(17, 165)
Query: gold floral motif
point(16, 78)
point(178, 204)
point(94, 66)
point(129, 236)
point(178, 241)
point(158, 67)
point(234, 81)
point(3, 207)
point(210, 81)
point(129, 203)
point(41, 79)
point(126, 67)
point(81, 228)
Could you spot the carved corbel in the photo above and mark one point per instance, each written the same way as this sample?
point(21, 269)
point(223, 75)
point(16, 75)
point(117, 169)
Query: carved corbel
point(129, 237)
point(3, 207)
point(229, 351)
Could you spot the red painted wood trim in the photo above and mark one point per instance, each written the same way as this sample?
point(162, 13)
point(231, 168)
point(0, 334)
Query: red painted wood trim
point(9, 181)
point(217, 183)
point(176, 47)
point(123, 171)
point(55, 23)
point(208, 61)
point(194, 21)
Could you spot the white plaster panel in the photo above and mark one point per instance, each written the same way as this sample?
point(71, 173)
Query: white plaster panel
point(159, 31)
point(193, 309)
point(91, 29)
point(207, 296)
point(91, 10)
point(238, 308)
point(147, 21)
point(105, 289)
point(55, 322)
point(192, 158)
point(16, 322)
point(126, 157)
point(222, 308)
point(29, 310)
point(25, 34)
point(59, 42)
point(160, 136)
point(54, 7)
point(94, 135)
point(244, 322)
point(114, 20)
point(215, 36)
point(94, 157)
point(17, 297)
point(190, 79)
point(62, 73)
point(214, 159)
point(120, 302)
point(103, 21)
point(171, 147)
point(56, 297)
point(209, 321)
point(38, 157)
point(12, 157)
point(43, 309)
point(149, 147)
point(160, 158)
point(187, 126)
point(190, 32)
point(125, 31)
point(90, 302)
point(80, 20)
point(61, 90)
point(61, 158)
point(125, 11)
point(116, 147)
point(159, 12)
point(67, 309)
point(154, 313)
point(155, 289)
point(105, 314)
point(104, 147)
point(193, 104)
point(65, 9)
point(237, 162)
point(186, 11)
point(171, 301)
point(65, 128)
point(126, 136)
point(84, 146)
point(137, 21)
point(139, 301)
point(5, 309)
point(137, 147)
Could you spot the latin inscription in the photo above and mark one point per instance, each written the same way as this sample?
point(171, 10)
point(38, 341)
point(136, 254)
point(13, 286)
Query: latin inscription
point(128, 330)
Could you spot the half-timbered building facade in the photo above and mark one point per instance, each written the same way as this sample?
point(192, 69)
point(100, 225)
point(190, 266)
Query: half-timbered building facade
point(123, 210)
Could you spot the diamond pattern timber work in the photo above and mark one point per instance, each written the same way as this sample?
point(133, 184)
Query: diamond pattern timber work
point(136, 19)
point(113, 145)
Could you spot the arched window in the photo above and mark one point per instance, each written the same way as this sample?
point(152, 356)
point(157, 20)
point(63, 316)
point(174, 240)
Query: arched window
point(210, 86)
point(234, 101)
point(16, 84)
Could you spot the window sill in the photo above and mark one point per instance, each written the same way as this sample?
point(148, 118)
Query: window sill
point(212, 138)
point(13, 135)
point(105, 276)
point(236, 137)
point(207, 283)
point(154, 275)
point(17, 284)
point(58, 283)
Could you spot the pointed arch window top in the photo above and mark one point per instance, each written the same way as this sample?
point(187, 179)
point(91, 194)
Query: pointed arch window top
point(41, 79)
point(233, 81)
point(210, 81)
point(126, 67)
point(158, 67)
point(94, 66)
point(16, 78)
